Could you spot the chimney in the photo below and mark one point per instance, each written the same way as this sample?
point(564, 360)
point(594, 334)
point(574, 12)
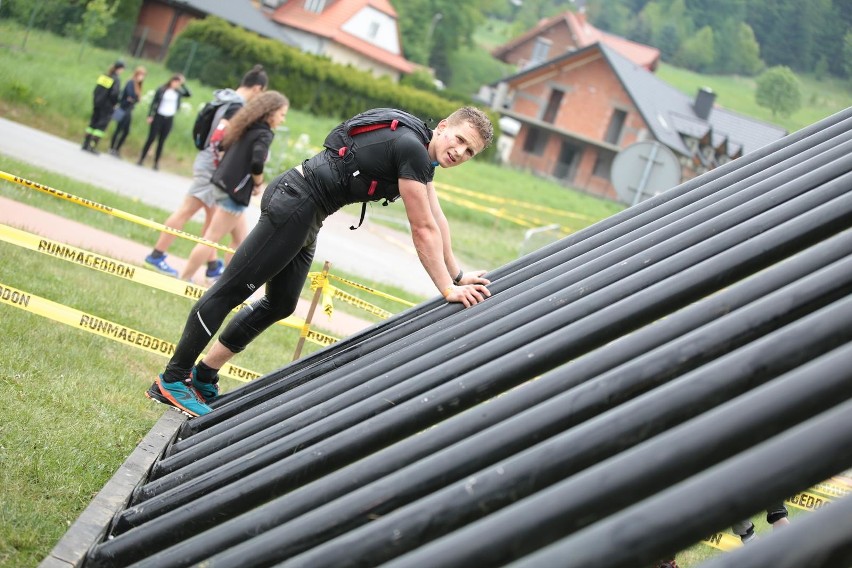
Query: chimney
point(704, 102)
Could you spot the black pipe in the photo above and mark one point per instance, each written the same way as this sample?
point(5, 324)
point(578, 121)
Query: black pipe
point(313, 495)
point(432, 340)
point(212, 508)
point(259, 395)
point(625, 479)
point(610, 488)
point(667, 522)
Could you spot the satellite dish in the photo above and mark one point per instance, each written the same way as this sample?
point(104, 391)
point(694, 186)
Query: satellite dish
point(643, 170)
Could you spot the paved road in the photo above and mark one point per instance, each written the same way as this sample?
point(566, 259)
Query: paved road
point(372, 251)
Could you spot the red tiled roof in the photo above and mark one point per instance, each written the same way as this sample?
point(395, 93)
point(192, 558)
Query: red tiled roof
point(329, 25)
point(586, 34)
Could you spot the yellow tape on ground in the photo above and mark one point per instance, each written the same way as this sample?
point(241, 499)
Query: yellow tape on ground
point(126, 271)
point(832, 490)
point(807, 501)
point(514, 202)
point(105, 328)
point(110, 211)
point(723, 541)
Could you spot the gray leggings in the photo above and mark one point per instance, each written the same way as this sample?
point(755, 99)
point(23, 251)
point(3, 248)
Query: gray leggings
point(278, 253)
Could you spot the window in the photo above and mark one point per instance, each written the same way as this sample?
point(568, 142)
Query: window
point(535, 141)
point(315, 6)
point(603, 164)
point(373, 30)
point(553, 106)
point(616, 125)
point(540, 50)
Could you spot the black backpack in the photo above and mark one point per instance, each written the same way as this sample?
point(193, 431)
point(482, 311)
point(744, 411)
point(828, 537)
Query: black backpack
point(209, 115)
point(341, 139)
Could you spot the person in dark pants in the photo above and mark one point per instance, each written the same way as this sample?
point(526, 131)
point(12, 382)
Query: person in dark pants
point(398, 160)
point(124, 113)
point(240, 174)
point(104, 98)
point(161, 115)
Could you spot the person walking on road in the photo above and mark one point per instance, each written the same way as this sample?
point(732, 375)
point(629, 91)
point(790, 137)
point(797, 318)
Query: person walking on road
point(104, 98)
point(240, 174)
point(200, 193)
point(396, 160)
point(161, 115)
point(123, 114)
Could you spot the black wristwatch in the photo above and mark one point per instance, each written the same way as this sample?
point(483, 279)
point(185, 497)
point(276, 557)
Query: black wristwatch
point(457, 279)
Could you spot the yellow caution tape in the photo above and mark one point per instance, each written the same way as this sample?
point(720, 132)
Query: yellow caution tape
point(126, 271)
point(105, 328)
point(110, 211)
point(370, 290)
point(318, 280)
point(807, 501)
point(831, 489)
point(513, 202)
point(723, 541)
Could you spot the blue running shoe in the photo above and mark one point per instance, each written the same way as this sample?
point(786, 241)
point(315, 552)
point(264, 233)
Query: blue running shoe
point(182, 397)
point(207, 392)
point(217, 271)
point(161, 265)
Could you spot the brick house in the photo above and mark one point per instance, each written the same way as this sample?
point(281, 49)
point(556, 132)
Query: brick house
point(578, 111)
point(567, 32)
point(361, 33)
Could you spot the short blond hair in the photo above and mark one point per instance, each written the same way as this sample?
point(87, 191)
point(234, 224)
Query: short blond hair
point(478, 119)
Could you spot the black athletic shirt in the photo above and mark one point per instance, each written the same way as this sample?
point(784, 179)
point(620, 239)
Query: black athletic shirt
point(381, 156)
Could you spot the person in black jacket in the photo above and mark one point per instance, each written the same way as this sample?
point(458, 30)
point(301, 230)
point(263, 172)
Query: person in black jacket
point(161, 115)
point(396, 160)
point(104, 98)
point(240, 173)
point(123, 114)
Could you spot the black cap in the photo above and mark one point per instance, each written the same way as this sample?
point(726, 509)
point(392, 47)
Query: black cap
point(119, 63)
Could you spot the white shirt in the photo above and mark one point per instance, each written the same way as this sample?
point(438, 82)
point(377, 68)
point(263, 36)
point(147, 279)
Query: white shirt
point(169, 103)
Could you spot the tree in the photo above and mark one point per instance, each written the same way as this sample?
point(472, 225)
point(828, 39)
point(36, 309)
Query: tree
point(847, 54)
point(697, 52)
point(747, 60)
point(97, 19)
point(778, 90)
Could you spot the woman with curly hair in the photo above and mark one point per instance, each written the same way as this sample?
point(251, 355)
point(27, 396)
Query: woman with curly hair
point(240, 173)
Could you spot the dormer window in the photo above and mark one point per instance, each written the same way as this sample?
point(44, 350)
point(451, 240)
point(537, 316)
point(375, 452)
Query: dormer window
point(373, 30)
point(540, 50)
point(315, 6)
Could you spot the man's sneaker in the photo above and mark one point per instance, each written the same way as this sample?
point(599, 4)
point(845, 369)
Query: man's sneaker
point(180, 396)
point(207, 392)
point(217, 270)
point(161, 265)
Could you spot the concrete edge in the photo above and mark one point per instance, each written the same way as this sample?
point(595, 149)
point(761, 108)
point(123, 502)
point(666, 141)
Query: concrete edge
point(93, 523)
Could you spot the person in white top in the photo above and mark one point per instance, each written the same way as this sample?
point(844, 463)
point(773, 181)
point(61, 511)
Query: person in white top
point(161, 115)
